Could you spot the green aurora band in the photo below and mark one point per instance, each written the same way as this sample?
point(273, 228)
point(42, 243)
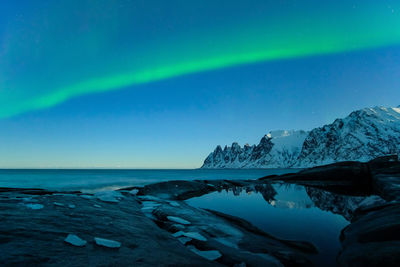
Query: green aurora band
point(41, 67)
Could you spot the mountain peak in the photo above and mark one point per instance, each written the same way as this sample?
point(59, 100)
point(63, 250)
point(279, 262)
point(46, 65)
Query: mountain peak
point(362, 135)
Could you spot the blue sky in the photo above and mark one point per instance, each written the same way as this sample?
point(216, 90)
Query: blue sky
point(177, 121)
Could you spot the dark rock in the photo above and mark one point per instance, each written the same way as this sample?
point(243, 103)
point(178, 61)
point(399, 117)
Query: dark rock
point(180, 190)
point(36, 237)
point(373, 237)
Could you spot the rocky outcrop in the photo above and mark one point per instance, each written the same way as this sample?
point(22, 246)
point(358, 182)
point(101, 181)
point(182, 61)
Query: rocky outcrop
point(373, 237)
point(35, 237)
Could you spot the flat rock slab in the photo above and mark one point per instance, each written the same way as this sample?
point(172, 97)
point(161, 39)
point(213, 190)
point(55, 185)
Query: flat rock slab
point(38, 237)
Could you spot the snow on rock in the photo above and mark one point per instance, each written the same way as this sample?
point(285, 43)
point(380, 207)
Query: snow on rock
point(34, 206)
point(192, 235)
point(75, 240)
point(174, 203)
point(107, 243)
point(363, 135)
point(150, 205)
point(178, 220)
point(134, 192)
point(207, 254)
point(195, 235)
point(109, 196)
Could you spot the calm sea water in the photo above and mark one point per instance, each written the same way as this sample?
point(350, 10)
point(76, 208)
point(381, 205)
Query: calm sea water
point(99, 179)
point(290, 214)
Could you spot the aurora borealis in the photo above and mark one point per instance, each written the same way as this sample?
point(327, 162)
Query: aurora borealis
point(53, 51)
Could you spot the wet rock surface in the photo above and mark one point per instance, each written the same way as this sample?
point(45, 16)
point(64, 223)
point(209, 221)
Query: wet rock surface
point(36, 237)
point(373, 237)
point(152, 225)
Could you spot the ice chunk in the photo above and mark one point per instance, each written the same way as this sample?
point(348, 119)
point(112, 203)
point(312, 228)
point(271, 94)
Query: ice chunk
point(134, 192)
point(71, 206)
point(195, 235)
point(226, 242)
point(192, 235)
point(178, 220)
point(34, 206)
point(107, 243)
point(58, 204)
point(109, 196)
point(150, 204)
point(177, 234)
point(174, 203)
point(207, 254)
point(75, 240)
point(97, 206)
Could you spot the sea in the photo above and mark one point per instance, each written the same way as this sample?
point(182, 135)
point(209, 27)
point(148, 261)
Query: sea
point(93, 180)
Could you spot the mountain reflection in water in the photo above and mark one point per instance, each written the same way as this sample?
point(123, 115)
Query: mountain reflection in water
point(288, 211)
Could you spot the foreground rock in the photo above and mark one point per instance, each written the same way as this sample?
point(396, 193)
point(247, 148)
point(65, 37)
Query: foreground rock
point(373, 237)
point(36, 237)
point(152, 226)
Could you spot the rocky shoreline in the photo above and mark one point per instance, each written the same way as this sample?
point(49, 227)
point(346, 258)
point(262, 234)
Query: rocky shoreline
point(153, 225)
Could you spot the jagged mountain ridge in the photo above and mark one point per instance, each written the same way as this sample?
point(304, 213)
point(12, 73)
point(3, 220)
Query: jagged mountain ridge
point(278, 149)
point(363, 135)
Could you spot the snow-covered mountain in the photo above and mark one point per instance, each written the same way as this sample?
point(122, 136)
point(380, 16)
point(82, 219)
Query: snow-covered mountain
point(363, 135)
point(277, 149)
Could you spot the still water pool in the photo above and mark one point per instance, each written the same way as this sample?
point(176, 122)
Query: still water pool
point(285, 211)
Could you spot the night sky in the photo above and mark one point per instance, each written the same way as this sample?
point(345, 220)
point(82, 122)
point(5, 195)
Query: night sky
point(158, 84)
